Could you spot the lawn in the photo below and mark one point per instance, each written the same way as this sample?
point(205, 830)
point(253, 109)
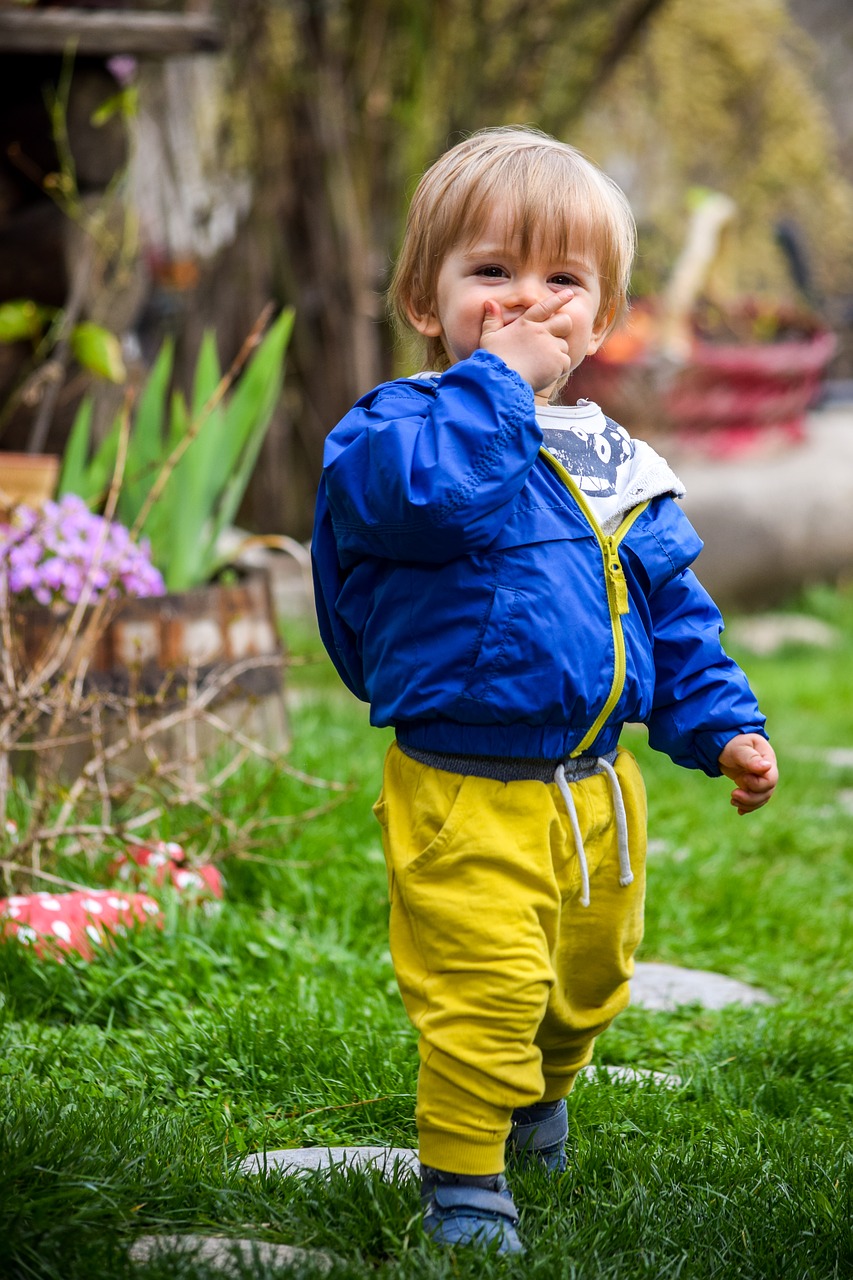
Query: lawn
point(131, 1086)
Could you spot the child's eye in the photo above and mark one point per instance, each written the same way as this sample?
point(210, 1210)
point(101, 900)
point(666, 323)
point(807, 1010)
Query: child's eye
point(564, 280)
point(492, 272)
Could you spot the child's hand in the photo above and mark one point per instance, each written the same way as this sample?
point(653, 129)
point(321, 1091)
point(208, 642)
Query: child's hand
point(535, 342)
point(750, 761)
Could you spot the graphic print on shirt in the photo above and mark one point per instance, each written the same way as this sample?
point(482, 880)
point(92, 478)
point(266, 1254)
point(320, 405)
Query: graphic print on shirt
point(592, 451)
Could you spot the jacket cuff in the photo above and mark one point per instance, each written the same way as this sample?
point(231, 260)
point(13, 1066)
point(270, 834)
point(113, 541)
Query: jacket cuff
point(496, 366)
point(708, 745)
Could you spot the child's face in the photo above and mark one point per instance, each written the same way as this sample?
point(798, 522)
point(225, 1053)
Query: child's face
point(494, 267)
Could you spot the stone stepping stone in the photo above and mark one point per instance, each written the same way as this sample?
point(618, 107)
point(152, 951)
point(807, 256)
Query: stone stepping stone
point(844, 800)
point(835, 757)
point(402, 1162)
point(597, 1072)
point(663, 988)
point(392, 1162)
point(227, 1254)
point(766, 633)
point(657, 987)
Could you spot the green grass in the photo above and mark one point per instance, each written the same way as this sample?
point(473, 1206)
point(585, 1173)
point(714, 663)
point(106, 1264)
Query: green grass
point(131, 1086)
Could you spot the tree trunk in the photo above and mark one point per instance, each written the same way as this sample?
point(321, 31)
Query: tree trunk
point(348, 103)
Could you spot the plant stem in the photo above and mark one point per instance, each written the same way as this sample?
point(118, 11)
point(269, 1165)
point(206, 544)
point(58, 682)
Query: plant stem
point(61, 352)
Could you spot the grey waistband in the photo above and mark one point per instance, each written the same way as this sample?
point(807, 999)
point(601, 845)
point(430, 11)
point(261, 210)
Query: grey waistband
point(509, 768)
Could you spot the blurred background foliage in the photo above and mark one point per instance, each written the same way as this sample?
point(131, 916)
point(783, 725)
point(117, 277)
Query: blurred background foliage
point(291, 153)
point(724, 96)
point(349, 102)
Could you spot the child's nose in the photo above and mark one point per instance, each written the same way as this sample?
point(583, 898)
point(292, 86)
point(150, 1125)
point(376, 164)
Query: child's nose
point(527, 291)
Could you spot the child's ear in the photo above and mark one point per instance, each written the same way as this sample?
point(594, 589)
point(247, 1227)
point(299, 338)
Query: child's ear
point(601, 330)
point(426, 323)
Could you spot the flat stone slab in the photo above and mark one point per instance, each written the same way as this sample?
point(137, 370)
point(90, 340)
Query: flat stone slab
point(663, 988)
point(835, 757)
point(227, 1254)
point(844, 799)
point(767, 633)
point(658, 987)
point(402, 1162)
point(597, 1072)
point(392, 1162)
point(801, 537)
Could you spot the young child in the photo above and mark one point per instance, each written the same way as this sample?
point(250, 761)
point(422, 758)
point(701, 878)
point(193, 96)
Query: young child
point(507, 583)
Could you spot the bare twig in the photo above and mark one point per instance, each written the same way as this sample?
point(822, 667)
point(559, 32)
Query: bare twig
point(293, 863)
point(141, 751)
point(36, 873)
point(341, 1106)
point(265, 754)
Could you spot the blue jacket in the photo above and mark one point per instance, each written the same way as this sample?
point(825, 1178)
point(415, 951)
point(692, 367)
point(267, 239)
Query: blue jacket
point(464, 590)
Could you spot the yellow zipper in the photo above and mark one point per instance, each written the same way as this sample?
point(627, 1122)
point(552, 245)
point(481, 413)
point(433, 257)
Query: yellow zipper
point(617, 593)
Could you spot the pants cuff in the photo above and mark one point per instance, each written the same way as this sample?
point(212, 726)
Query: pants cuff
point(457, 1153)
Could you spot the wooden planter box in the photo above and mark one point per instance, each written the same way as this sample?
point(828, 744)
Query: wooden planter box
point(28, 478)
point(162, 652)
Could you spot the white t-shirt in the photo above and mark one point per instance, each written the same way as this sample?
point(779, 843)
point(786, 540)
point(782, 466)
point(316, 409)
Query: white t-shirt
point(613, 472)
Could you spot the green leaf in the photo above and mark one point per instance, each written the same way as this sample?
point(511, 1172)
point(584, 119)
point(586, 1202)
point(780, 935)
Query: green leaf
point(210, 481)
point(147, 450)
point(76, 474)
point(176, 527)
point(248, 418)
point(21, 320)
point(124, 103)
point(102, 467)
point(208, 455)
point(98, 350)
point(208, 373)
point(182, 510)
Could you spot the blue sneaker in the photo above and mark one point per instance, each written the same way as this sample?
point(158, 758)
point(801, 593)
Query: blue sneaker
point(539, 1133)
point(458, 1213)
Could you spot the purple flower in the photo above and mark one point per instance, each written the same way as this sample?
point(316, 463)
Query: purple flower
point(23, 579)
point(64, 552)
point(23, 555)
point(52, 572)
point(123, 68)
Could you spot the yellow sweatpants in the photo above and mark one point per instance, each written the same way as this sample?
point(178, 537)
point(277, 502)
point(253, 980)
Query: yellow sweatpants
point(507, 978)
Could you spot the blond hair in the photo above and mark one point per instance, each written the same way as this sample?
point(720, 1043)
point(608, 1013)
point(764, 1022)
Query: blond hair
point(554, 196)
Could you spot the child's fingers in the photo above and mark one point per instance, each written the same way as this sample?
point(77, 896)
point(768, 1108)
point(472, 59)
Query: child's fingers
point(753, 790)
point(750, 762)
point(745, 802)
point(757, 783)
point(754, 771)
point(747, 754)
point(492, 318)
point(764, 774)
point(547, 307)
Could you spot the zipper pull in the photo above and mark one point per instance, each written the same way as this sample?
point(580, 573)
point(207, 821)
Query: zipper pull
point(617, 576)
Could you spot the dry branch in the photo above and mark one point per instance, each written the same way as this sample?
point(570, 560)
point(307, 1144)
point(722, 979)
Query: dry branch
point(49, 706)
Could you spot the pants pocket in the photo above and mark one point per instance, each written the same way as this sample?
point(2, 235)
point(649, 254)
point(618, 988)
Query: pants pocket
point(418, 810)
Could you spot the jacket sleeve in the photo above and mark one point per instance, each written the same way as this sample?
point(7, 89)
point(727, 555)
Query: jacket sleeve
point(427, 474)
point(702, 698)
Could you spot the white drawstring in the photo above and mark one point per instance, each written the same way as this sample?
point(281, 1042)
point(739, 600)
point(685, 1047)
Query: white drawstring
point(626, 875)
point(566, 793)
